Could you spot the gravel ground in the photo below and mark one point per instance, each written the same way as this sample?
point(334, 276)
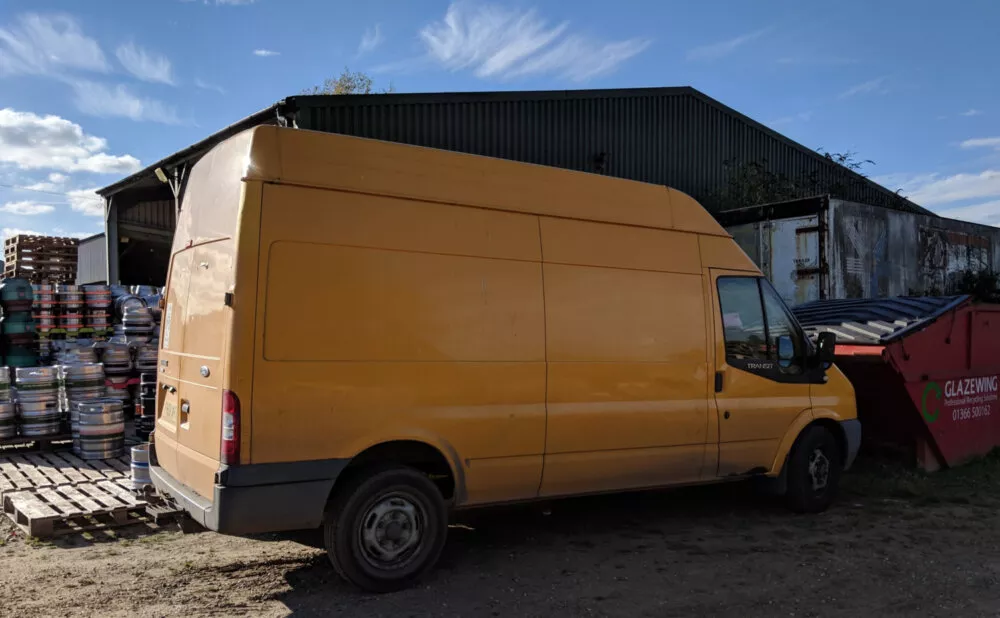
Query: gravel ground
point(896, 544)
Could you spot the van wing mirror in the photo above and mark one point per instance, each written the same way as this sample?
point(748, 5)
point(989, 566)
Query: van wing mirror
point(826, 345)
point(786, 351)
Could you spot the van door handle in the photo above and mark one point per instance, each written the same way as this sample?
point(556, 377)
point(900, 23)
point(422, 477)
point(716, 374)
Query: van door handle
point(718, 381)
point(186, 408)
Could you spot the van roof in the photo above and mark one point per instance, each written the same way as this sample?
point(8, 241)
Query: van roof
point(307, 158)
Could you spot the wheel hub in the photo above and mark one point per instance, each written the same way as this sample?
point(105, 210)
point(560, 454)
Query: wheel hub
point(819, 470)
point(391, 531)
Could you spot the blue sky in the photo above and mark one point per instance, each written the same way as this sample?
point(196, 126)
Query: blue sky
point(93, 90)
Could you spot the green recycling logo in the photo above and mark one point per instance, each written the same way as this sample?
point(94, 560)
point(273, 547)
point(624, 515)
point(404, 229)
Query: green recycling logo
point(931, 415)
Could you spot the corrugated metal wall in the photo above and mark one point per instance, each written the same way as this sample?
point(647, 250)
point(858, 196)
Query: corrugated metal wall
point(91, 260)
point(672, 136)
point(151, 214)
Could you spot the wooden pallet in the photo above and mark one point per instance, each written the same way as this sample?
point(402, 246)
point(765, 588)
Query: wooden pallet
point(41, 258)
point(54, 511)
point(21, 443)
point(42, 470)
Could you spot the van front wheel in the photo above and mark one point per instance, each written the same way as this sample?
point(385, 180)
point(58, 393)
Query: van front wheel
point(814, 468)
point(386, 529)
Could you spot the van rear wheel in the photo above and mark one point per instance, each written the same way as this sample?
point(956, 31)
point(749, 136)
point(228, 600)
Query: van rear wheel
point(814, 469)
point(386, 528)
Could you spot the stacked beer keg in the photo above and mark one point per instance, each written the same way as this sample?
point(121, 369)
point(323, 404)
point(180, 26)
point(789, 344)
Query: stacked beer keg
point(101, 426)
point(117, 359)
point(8, 413)
point(38, 409)
point(17, 326)
point(97, 303)
point(46, 316)
point(70, 299)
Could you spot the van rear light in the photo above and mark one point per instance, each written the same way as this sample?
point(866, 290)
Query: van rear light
point(229, 450)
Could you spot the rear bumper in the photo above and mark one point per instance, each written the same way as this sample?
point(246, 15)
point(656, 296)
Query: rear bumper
point(852, 439)
point(280, 503)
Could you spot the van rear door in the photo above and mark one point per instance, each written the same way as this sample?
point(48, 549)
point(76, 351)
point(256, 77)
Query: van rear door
point(199, 392)
point(198, 321)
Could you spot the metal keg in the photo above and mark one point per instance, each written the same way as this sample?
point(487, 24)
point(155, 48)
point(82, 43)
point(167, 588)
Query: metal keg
point(16, 294)
point(40, 430)
point(44, 296)
point(4, 385)
point(140, 467)
point(102, 429)
point(83, 382)
point(98, 319)
point(38, 411)
point(146, 358)
point(126, 302)
point(37, 384)
point(97, 296)
point(71, 322)
point(138, 320)
point(116, 387)
point(45, 319)
point(8, 420)
point(69, 296)
point(117, 359)
point(76, 354)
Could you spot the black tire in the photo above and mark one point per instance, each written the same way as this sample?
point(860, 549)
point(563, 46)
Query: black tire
point(392, 502)
point(815, 452)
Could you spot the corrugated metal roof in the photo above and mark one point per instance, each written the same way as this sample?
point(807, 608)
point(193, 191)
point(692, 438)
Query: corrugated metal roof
point(677, 137)
point(873, 321)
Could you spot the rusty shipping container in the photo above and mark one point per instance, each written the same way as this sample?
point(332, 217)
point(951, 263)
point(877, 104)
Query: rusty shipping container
point(827, 248)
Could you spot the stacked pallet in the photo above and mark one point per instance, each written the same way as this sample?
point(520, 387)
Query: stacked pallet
point(41, 259)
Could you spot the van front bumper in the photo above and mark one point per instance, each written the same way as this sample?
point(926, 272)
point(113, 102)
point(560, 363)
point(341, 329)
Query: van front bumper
point(279, 502)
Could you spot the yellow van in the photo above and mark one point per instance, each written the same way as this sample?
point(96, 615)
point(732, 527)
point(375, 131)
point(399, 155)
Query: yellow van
point(364, 335)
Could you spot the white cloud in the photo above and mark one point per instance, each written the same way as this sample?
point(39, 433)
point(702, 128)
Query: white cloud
point(972, 112)
point(876, 85)
point(982, 142)
point(30, 141)
point(496, 42)
point(987, 213)
point(265, 53)
point(47, 44)
point(145, 65)
point(54, 184)
point(209, 86)
point(722, 49)
point(26, 208)
point(9, 232)
point(371, 39)
point(119, 102)
point(937, 190)
point(86, 201)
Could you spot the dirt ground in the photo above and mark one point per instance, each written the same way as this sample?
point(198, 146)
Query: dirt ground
point(896, 544)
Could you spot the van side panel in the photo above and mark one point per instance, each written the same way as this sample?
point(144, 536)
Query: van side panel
point(383, 319)
point(626, 342)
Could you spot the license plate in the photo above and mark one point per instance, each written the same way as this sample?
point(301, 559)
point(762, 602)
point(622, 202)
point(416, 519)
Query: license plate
point(170, 412)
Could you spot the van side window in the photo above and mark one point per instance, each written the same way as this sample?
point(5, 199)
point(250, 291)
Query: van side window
point(743, 318)
point(781, 324)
